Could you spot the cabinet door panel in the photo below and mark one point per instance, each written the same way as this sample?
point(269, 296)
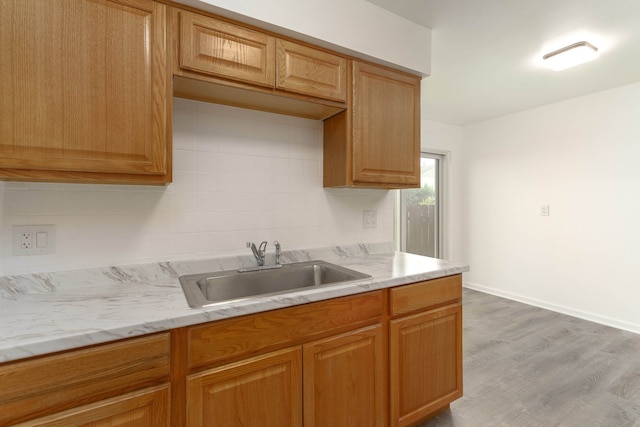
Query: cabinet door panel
point(84, 88)
point(310, 71)
point(343, 380)
point(386, 127)
point(263, 391)
point(146, 408)
point(219, 48)
point(425, 362)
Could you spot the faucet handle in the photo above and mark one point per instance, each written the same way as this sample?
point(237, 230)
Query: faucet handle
point(249, 244)
point(277, 245)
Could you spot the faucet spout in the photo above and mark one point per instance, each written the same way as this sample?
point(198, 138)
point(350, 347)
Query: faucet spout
point(258, 252)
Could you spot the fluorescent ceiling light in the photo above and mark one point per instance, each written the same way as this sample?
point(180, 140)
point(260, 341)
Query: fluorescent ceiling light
point(570, 56)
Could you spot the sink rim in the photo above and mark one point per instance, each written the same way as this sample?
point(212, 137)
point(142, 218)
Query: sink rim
point(196, 297)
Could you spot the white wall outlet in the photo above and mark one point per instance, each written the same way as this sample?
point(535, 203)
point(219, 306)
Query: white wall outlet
point(369, 219)
point(544, 210)
point(34, 239)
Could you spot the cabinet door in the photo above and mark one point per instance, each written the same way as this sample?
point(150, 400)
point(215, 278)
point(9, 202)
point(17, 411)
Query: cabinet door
point(84, 91)
point(386, 127)
point(425, 361)
point(145, 408)
point(343, 380)
point(309, 71)
point(263, 391)
point(222, 49)
point(50, 384)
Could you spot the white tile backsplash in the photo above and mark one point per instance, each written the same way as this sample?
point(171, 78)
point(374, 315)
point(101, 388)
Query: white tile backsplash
point(238, 175)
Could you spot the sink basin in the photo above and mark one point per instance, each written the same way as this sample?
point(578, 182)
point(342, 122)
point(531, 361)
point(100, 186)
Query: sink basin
point(206, 289)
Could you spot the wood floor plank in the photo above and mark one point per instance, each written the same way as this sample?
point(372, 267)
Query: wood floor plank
point(529, 367)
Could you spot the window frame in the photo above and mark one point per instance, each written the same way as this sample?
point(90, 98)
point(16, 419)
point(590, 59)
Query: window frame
point(442, 179)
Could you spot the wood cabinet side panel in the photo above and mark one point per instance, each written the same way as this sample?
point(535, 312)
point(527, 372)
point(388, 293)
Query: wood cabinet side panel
point(336, 151)
point(91, 98)
point(57, 382)
point(344, 380)
point(422, 295)
point(264, 391)
point(144, 408)
point(248, 335)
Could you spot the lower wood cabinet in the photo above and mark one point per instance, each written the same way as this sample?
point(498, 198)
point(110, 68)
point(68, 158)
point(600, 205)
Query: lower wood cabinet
point(261, 391)
point(425, 349)
point(335, 382)
point(149, 407)
point(425, 360)
point(386, 357)
point(125, 383)
point(344, 380)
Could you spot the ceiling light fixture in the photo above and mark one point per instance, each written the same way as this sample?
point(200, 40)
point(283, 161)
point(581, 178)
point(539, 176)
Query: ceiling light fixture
point(570, 56)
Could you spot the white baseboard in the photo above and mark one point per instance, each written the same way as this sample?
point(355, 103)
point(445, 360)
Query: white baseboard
point(592, 317)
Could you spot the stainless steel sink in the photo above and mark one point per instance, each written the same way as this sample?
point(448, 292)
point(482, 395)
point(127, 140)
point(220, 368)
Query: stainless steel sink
point(206, 289)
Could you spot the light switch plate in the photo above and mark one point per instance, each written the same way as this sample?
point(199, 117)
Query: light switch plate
point(34, 239)
point(544, 210)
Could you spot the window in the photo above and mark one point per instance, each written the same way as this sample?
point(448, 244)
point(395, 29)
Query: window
point(420, 210)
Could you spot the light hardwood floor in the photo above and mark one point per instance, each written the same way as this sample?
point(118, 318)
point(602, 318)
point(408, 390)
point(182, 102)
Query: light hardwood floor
point(525, 366)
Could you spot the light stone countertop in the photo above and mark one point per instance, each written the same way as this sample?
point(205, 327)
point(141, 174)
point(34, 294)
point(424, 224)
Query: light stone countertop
point(49, 312)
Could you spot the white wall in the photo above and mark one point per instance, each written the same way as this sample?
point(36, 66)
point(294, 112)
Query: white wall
point(581, 157)
point(446, 139)
point(355, 27)
point(239, 175)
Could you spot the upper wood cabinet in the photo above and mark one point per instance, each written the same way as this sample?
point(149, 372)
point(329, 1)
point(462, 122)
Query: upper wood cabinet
point(217, 47)
point(376, 141)
point(84, 93)
point(310, 71)
point(232, 64)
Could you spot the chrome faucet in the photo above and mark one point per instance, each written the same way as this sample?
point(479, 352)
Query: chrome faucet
point(259, 253)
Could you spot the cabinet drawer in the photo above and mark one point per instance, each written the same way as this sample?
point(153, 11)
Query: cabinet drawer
point(53, 383)
point(248, 335)
point(222, 49)
point(422, 295)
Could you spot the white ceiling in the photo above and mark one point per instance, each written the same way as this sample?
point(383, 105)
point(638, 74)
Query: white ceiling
point(487, 54)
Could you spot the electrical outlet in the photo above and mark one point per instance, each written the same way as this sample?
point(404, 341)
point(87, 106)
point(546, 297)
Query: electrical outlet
point(544, 210)
point(26, 240)
point(370, 219)
point(34, 239)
